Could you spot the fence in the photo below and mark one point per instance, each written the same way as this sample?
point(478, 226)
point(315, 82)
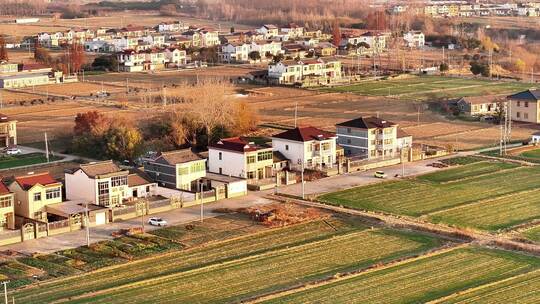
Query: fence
point(59, 224)
point(10, 237)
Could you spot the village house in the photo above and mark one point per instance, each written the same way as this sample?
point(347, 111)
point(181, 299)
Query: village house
point(175, 56)
point(179, 169)
point(239, 157)
point(475, 106)
point(524, 106)
point(312, 71)
point(306, 147)
point(293, 30)
point(235, 52)
point(7, 209)
point(8, 131)
point(100, 183)
point(266, 48)
point(209, 37)
point(325, 49)
point(414, 39)
point(368, 137)
point(28, 75)
point(268, 30)
point(175, 26)
point(140, 186)
point(33, 192)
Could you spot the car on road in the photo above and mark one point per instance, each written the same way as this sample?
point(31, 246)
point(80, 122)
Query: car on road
point(380, 174)
point(157, 221)
point(13, 151)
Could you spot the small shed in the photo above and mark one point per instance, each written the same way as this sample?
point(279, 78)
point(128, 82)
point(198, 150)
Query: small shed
point(98, 215)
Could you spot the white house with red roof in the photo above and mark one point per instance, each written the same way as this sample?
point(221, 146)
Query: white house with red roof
point(239, 157)
point(312, 147)
point(33, 193)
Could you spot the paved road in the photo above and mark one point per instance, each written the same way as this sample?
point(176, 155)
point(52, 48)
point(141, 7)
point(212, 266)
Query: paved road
point(101, 233)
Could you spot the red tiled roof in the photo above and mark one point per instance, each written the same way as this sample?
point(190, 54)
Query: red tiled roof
point(304, 134)
point(236, 144)
point(29, 181)
point(3, 189)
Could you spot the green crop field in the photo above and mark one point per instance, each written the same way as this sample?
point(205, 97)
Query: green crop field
point(431, 87)
point(533, 234)
point(493, 214)
point(471, 170)
point(424, 279)
point(235, 269)
point(520, 289)
point(482, 195)
point(534, 154)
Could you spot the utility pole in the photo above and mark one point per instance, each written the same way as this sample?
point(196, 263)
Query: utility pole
point(87, 224)
point(142, 221)
point(5, 291)
point(295, 114)
point(46, 147)
point(202, 200)
point(1, 101)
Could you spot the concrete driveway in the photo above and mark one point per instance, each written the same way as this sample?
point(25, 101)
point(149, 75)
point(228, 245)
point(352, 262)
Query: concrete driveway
point(100, 233)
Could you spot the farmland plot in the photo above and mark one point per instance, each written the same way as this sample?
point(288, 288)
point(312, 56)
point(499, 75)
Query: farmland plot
point(243, 278)
point(533, 234)
point(422, 280)
point(467, 171)
point(184, 260)
point(415, 197)
point(493, 214)
point(520, 289)
point(236, 269)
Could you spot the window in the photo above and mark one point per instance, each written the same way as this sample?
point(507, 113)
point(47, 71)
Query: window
point(220, 155)
point(518, 103)
point(526, 115)
point(183, 171)
point(286, 147)
point(38, 215)
point(251, 159)
point(374, 131)
point(198, 167)
point(526, 104)
point(37, 197)
point(348, 141)
point(220, 170)
point(266, 155)
point(373, 153)
point(119, 181)
point(147, 189)
point(349, 130)
point(251, 175)
point(388, 131)
point(53, 193)
point(518, 115)
point(373, 141)
point(309, 162)
point(5, 201)
point(309, 148)
point(325, 146)
point(388, 141)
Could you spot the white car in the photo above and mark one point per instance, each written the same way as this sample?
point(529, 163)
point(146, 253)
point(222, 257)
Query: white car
point(13, 151)
point(380, 174)
point(157, 221)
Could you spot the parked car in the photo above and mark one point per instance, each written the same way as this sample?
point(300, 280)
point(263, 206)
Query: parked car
point(380, 174)
point(157, 221)
point(13, 151)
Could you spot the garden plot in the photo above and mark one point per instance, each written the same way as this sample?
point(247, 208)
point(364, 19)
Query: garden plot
point(425, 279)
point(468, 171)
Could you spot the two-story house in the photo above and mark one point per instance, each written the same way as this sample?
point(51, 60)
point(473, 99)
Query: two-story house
point(306, 146)
point(235, 52)
point(7, 208)
point(175, 56)
point(368, 137)
point(33, 193)
point(180, 169)
point(524, 106)
point(269, 30)
point(100, 183)
point(414, 39)
point(8, 131)
point(293, 30)
point(240, 158)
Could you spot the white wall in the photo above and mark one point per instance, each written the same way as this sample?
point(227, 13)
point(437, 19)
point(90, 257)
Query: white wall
point(237, 187)
point(295, 152)
point(231, 163)
point(80, 187)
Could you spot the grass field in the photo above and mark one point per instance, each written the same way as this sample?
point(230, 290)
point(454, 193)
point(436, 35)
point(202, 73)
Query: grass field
point(520, 289)
point(424, 280)
point(24, 160)
point(235, 269)
point(533, 234)
point(534, 154)
point(482, 195)
point(468, 171)
point(431, 87)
